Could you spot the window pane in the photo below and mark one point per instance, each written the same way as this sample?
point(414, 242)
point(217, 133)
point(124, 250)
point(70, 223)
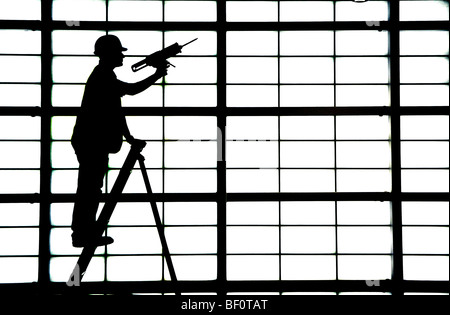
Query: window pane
point(135, 183)
point(19, 182)
point(139, 43)
point(60, 267)
point(296, 11)
point(152, 97)
point(119, 10)
point(20, 95)
point(423, 10)
point(257, 70)
point(362, 70)
point(20, 154)
point(252, 213)
point(62, 127)
point(364, 240)
point(263, 128)
point(306, 267)
point(363, 212)
point(362, 127)
point(190, 154)
point(75, 42)
point(307, 95)
point(61, 242)
point(425, 213)
point(425, 181)
point(425, 240)
point(205, 45)
point(19, 214)
point(252, 43)
point(190, 96)
point(252, 96)
point(362, 95)
point(134, 213)
point(20, 41)
point(262, 240)
point(63, 155)
point(319, 240)
point(424, 42)
point(307, 212)
point(134, 268)
point(306, 70)
point(369, 43)
point(195, 213)
point(11, 128)
point(363, 180)
point(152, 154)
point(307, 128)
point(190, 240)
point(20, 69)
point(252, 154)
point(252, 11)
point(307, 154)
point(14, 10)
point(190, 128)
point(61, 214)
point(426, 268)
point(193, 70)
point(73, 69)
point(424, 95)
point(195, 268)
point(306, 43)
point(307, 181)
point(147, 127)
point(363, 154)
point(125, 240)
point(424, 70)
point(257, 267)
point(67, 95)
point(79, 10)
point(353, 267)
point(26, 241)
point(64, 181)
point(252, 181)
point(190, 11)
point(424, 127)
point(18, 270)
point(367, 11)
point(425, 154)
point(194, 181)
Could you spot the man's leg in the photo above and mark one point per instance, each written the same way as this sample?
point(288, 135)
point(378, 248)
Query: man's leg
point(92, 170)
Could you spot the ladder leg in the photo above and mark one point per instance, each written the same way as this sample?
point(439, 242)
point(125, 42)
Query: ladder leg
point(159, 225)
point(105, 215)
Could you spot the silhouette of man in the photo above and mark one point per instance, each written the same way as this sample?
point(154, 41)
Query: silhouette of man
point(99, 131)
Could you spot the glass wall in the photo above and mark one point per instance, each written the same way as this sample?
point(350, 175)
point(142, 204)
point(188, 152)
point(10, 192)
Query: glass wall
point(274, 146)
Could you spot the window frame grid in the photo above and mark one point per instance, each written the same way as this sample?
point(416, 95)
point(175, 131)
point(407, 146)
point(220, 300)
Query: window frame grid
point(46, 112)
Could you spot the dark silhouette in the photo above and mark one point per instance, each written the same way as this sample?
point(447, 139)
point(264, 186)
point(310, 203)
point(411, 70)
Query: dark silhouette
point(99, 131)
point(102, 222)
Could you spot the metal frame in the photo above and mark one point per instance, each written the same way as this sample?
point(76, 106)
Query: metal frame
point(397, 285)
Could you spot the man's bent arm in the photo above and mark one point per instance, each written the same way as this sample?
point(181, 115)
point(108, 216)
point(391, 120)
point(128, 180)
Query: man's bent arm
point(138, 87)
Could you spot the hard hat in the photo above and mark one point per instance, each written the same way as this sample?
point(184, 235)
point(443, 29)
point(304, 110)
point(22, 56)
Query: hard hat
point(107, 44)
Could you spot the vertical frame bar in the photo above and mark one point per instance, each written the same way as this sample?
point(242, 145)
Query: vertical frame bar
point(221, 145)
point(335, 145)
point(45, 162)
point(397, 244)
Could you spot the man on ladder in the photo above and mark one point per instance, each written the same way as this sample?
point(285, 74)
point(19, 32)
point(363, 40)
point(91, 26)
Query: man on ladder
point(99, 131)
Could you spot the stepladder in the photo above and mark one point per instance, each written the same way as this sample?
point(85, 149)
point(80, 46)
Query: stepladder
point(135, 155)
